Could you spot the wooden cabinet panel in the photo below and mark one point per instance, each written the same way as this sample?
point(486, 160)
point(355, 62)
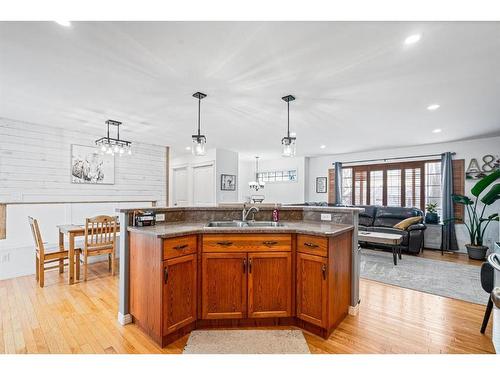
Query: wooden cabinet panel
point(269, 284)
point(179, 292)
point(246, 242)
point(224, 285)
point(312, 289)
point(313, 245)
point(178, 246)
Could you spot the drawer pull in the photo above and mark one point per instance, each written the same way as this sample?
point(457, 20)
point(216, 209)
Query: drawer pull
point(224, 243)
point(310, 244)
point(180, 247)
point(165, 274)
point(323, 270)
point(270, 243)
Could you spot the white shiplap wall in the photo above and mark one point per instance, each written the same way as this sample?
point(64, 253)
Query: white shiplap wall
point(35, 167)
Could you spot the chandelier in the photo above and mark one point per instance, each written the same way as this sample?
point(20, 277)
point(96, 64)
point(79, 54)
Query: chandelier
point(112, 146)
point(257, 184)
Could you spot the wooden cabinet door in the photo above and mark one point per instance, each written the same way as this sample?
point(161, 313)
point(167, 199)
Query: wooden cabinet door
point(269, 284)
point(224, 285)
point(179, 292)
point(312, 289)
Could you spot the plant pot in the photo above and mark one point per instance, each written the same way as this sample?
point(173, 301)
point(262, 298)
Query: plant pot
point(476, 252)
point(431, 218)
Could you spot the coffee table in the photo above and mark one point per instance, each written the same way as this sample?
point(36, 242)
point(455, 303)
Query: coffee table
point(393, 240)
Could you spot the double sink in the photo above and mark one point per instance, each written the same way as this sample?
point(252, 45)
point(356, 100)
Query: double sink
point(243, 224)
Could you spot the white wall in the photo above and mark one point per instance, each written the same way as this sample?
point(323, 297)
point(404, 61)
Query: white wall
point(35, 167)
point(477, 148)
point(282, 192)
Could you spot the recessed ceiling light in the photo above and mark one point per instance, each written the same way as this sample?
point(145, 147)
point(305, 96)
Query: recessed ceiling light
point(322, 146)
point(433, 107)
point(188, 148)
point(412, 39)
point(436, 131)
point(63, 23)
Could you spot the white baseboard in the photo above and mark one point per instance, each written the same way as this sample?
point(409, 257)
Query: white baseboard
point(354, 310)
point(124, 319)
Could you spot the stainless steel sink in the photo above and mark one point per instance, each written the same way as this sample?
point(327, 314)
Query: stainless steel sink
point(242, 224)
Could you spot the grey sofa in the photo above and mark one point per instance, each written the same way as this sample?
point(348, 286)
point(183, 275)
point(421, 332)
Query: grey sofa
point(382, 219)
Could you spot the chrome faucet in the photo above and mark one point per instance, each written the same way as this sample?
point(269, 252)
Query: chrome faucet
point(245, 212)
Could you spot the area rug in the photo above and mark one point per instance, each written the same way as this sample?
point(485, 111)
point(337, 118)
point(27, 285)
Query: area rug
point(447, 279)
point(246, 342)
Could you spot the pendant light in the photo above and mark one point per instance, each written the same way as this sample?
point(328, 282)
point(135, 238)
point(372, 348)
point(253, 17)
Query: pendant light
point(199, 140)
point(256, 184)
point(111, 146)
point(288, 143)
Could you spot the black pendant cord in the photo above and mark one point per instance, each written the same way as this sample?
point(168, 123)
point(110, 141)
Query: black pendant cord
point(288, 127)
point(199, 115)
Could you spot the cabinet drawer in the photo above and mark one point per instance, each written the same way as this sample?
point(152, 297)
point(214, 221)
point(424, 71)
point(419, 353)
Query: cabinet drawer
point(177, 246)
point(313, 245)
point(217, 243)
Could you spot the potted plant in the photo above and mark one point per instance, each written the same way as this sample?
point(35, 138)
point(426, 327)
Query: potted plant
point(431, 216)
point(477, 223)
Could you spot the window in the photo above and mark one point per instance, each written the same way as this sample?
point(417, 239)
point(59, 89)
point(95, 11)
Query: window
point(412, 187)
point(433, 184)
point(377, 187)
point(278, 176)
point(346, 186)
point(393, 187)
point(360, 187)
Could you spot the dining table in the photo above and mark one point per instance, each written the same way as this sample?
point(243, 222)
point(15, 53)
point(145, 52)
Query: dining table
point(72, 231)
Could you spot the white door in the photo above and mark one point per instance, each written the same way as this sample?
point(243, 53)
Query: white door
point(180, 187)
point(204, 185)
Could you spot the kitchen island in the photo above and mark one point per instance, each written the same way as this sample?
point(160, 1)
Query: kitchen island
point(184, 274)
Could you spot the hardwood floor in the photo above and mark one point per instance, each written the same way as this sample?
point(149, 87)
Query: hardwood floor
point(81, 318)
point(449, 256)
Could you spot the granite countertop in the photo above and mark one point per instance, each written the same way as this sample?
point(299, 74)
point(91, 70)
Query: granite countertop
point(301, 227)
point(231, 207)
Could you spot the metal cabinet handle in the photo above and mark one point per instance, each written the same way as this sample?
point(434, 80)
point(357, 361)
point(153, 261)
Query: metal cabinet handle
point(270, 243)
point(244, 265)
point(310, 244)
point(323, 270)
point(224, 243)
point(250, 265)
point(180, 247)
point(165, 274)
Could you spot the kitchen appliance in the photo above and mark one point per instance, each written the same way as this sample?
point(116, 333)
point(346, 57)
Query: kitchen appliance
point(144, 218)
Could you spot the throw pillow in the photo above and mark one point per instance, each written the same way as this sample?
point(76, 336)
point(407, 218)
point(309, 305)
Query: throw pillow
point(403, 224)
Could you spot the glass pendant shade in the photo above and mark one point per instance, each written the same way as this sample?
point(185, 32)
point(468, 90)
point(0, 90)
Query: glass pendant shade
point(113, 146)
point(288, 147)
point(198, 148)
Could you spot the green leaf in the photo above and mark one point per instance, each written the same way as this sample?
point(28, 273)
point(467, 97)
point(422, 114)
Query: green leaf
point(485, 182)
point(461, 199)
point(492, 196)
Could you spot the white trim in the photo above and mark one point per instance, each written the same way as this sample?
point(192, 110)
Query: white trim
point(124, 319)
point(354, 310)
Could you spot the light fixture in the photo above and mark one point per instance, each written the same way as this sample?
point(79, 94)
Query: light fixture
point(188, 148)
point(111, 146)
point(257, 183)
point(436, 131)
point(322, 146)
point(288, 142)
point(199, 141)
point(433, 107)
point(63, 23)
point(412, 39)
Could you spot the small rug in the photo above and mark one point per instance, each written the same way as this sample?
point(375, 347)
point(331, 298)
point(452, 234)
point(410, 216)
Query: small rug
point(447, 279)
point(246, 342)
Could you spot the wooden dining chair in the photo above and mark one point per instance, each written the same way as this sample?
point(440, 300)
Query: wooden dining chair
point(100, 239)
point(45, 256)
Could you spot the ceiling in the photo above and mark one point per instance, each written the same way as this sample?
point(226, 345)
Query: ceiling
point(358, 87)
